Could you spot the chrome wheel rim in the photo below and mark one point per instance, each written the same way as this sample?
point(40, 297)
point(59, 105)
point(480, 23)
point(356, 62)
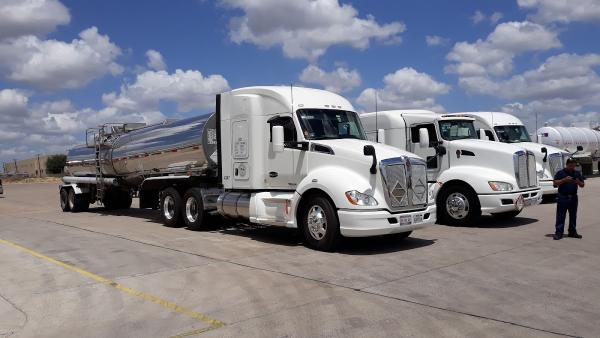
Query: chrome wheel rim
point(169, 207)
point(317, 222)
point(457, 205)
point(191, 210)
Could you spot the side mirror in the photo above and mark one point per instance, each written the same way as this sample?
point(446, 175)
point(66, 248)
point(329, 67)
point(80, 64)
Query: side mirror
point(369, 150)
point(440, 150)
point(482, 135)
point(277, 138)
point(381, 136)
point(579, 148)
point(423, 138)
point(545, 152)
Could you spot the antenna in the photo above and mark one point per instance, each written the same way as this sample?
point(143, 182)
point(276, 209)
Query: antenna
point(376, 124)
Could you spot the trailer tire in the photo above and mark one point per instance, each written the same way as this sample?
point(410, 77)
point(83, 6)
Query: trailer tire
point(124, 199)
point(320, 224)
point(170, 207)
point(458, 205)
point(64, 199)
point(192, 211)
point(78, 202)
point(504, 216)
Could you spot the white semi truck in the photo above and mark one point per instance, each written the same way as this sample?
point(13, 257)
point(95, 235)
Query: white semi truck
point(582, 143)
point(281, 156)
point(471, 175)
point(507, 128)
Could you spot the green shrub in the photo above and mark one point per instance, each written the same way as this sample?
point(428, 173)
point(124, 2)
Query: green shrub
point(56, 164)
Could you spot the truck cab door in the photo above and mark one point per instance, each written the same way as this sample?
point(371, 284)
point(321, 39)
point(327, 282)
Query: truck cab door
point(281, 166)
point(434, 161)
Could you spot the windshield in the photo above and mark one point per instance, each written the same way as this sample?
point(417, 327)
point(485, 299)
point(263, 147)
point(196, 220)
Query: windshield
point(325, 124)
point(512, 134)
point(457, 129)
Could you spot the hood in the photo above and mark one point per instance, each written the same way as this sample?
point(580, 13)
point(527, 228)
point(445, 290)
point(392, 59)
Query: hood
point(536, 148)
point(485, 146)
point(353, 148)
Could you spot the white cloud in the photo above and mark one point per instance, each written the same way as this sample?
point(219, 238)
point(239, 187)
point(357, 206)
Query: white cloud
point(306, 28)
point(435, 40)
point(339, 80)
point(31, 17)
point(13, 104)
point(563, 10)
point(155, 60)
point(478, 17)
point(52, 64)
point(188, 89)
point(495, 54)
point(405, 89)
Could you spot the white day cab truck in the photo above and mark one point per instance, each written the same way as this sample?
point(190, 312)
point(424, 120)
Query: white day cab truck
point(471, 176)
point(281, 156)
point(507, 128)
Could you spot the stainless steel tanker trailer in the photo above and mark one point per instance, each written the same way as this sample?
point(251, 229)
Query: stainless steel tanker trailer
point(281, 156)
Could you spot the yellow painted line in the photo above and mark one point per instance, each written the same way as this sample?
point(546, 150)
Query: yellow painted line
point(214, 324)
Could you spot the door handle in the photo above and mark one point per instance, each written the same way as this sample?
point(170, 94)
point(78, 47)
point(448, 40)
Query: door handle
point(273, 174)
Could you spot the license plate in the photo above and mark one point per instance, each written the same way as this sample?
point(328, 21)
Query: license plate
point(418, 218)
point(405, 220)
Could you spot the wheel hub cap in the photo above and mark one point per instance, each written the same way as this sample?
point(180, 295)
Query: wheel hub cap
point(317, 222)
point(191, 209)
point(169, 207)
point(457, 205)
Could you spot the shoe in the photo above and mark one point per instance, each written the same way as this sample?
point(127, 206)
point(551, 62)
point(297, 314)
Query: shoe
point(556, 237)
point(574, 235)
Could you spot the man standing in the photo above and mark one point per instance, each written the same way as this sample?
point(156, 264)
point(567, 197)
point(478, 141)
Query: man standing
point(567, 180)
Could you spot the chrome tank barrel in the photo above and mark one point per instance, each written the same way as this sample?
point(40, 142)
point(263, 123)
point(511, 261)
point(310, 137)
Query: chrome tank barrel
point(170, 147)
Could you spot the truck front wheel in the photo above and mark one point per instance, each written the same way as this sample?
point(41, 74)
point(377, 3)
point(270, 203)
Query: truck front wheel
point(320, 224)
point(170, 207)
point(194, 215)
point(458, 205)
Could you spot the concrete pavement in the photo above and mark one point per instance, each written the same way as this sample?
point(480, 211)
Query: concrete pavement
point(101, 274)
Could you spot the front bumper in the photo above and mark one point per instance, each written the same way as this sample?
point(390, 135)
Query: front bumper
point(355, 223)
point(548, 187)
point(497, 203)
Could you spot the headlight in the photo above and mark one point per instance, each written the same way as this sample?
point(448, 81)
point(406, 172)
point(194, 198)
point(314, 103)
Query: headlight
point(358, 198)
point(500, 186)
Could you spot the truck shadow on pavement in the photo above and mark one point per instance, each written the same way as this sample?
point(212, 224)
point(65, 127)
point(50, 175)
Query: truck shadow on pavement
point(490, 222)
point(282, 236)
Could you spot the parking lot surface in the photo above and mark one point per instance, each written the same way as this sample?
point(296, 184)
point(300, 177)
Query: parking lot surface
point(123, 274)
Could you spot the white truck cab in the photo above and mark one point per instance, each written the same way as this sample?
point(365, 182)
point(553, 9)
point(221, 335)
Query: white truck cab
point(507, 128)
point(298, 157)
point(471, 175)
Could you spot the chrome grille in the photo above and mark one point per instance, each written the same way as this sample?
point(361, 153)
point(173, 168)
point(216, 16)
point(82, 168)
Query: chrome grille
point(525, 172)
point(555, 162)
point(405, 182)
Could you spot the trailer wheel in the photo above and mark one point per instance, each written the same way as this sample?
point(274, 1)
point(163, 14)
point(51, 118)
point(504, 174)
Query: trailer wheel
point(77, 202)
point(64, 199)
point(504, 216)
point(193, 212)
point(320, 224)
point(458, 205)
point(170, 207)
point(125, 200)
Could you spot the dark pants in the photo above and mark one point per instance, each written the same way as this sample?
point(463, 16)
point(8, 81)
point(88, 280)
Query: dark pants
point(566, 203)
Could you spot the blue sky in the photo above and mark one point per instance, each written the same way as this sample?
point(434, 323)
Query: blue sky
point(519, 56)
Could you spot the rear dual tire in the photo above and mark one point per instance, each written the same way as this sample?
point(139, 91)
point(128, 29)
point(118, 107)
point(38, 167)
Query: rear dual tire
point(70, 201)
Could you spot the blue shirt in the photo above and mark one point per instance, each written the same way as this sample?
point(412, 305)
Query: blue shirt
point(568, 188)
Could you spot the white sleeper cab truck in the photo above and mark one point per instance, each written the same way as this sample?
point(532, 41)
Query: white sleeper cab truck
point(472, 175)
point(281, 156)
point(507, 128)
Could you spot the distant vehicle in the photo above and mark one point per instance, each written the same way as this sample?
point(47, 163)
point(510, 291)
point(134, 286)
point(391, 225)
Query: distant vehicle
point(507, 128)
point(473, 175)
point(281, 156)
point(582, 143)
